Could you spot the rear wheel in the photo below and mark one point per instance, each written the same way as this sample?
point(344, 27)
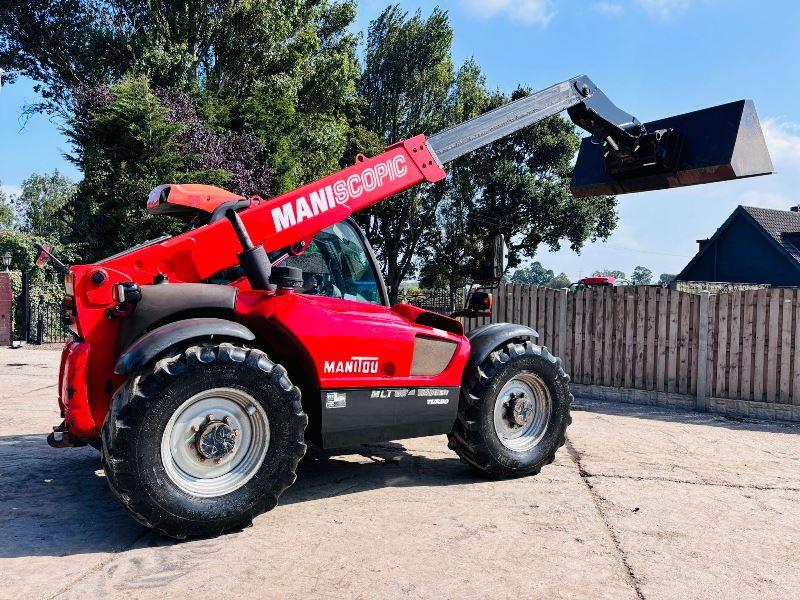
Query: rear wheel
point(204, 440)
point(513, 412)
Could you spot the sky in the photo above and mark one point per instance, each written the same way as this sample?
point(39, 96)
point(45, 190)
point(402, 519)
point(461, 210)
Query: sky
point(653, 58)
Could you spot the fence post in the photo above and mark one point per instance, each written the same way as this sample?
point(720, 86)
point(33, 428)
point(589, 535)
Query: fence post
point(562, 324)
point(40, 328)
point(702, 353)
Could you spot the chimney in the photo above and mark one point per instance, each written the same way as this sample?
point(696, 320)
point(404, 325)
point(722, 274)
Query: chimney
point(795, 208)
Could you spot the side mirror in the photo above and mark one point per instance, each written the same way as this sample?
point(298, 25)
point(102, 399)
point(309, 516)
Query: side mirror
point(491, 269)
point(500, 256)
point(44, 255)
point(480, 303)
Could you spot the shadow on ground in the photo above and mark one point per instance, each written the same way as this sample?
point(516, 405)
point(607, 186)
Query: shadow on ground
point(57, 503)
point(655, 413)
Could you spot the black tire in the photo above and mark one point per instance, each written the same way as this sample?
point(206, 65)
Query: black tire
point(142, 408)
point(474, 436)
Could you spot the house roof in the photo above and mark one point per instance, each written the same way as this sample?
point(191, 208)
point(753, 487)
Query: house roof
point(778, 223)
point(780, 227)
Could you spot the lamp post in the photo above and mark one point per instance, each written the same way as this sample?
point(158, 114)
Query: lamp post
point(6, 260)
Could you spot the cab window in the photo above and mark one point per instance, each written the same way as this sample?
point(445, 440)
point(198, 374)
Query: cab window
point(336, 265)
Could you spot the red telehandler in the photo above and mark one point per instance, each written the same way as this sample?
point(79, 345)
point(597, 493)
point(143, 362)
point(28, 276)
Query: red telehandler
point(201, 364)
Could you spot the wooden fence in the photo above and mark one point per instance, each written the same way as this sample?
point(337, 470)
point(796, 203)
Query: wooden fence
point(733, 353)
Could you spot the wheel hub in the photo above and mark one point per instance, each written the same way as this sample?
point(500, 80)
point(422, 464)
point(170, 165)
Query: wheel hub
point(520, 409)
point(215, 442)
point(215, 439)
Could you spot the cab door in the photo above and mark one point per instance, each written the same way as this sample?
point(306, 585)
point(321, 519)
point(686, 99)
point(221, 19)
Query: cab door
point(376, 366)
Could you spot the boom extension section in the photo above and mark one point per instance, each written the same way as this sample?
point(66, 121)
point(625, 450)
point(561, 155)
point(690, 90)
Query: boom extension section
point(622, 154)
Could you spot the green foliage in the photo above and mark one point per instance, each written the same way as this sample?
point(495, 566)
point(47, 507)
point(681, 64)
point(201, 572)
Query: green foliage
point(125, 150)
point(450, 250)
point(301, 47)
point(40, 206)
point(46, 284)
point(286, 73)
point(517, 187)
point(406, 81)
point(666, 278)
point(610, 273)
point(283, 71)
point(6, 212)
point(560, 281)
point(641, 276)
point(520, 187)
point(536, 274)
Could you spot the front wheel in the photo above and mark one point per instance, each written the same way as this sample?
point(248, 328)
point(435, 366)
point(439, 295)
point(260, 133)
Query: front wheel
point(513, 412)
point(204, 440)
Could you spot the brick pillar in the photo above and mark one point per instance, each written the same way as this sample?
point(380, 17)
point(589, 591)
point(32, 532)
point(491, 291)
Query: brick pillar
point(6, 297)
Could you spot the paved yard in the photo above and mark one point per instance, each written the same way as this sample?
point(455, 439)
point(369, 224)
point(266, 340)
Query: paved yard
point(641, 503)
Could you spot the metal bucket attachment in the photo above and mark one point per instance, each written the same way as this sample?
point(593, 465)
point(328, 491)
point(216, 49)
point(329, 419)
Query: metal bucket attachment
point(714, 144)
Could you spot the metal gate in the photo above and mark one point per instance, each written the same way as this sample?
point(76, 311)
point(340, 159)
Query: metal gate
point(37, 322)
point(439, 301)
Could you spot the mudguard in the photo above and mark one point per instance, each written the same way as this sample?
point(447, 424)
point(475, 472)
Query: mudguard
point(160, 302)
point(487, 338)
point(150, 345)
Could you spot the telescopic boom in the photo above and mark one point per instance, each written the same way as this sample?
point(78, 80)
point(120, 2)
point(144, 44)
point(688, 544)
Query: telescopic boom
point(622, 155)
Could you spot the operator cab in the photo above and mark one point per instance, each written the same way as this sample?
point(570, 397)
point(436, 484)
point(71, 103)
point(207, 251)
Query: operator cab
point(339, 263)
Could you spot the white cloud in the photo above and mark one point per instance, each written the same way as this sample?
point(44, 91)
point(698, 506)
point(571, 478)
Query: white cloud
point(783, 141)
point(664, 9)
point(529, 12)
point(608, 8)
point(11, 190)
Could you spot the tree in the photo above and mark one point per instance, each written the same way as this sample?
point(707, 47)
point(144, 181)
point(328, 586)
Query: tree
point(666, 278)
point(283, 71)
point(127, 141)
point(536, 274)
point(40, 206)
point(46, 284)
point(517, 186)
point(641, 276)
point(560, 281)
point(610, 273)
point(6, 212)
point(521, 189)
point(406, 81)
point(449, 251)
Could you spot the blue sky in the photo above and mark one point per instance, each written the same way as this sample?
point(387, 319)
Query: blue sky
point(654, 58)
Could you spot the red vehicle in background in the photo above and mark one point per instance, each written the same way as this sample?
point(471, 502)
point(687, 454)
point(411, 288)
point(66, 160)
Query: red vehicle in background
point(598, 281)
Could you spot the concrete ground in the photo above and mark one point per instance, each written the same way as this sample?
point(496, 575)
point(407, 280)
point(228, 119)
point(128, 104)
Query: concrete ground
point(641, 503)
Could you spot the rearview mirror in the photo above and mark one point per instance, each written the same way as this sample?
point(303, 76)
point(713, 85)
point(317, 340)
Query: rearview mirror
point(44, 255)
point(491, 270)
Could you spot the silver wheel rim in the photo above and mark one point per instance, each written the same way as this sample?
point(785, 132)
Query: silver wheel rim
point(522, 412)
point(209, 477)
